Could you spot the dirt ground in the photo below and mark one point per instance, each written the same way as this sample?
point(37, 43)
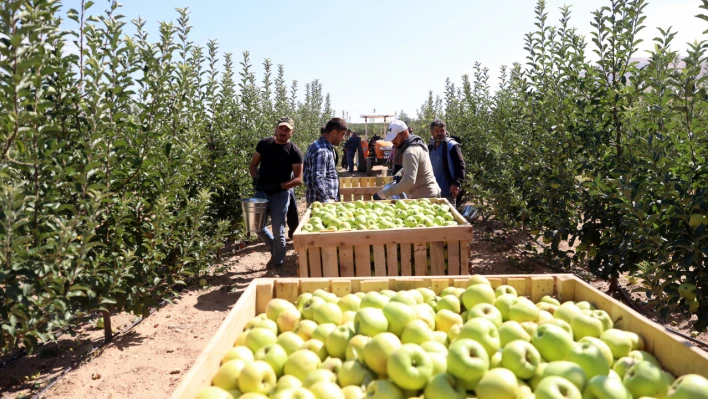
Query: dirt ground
point(149, 360)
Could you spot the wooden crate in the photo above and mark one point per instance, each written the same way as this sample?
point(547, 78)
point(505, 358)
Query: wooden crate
point(677, 355)
point(349, 254)
point(361, 188)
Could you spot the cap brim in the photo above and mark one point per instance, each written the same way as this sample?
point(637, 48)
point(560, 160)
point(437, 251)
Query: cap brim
point(390, 136)
point(289, 125)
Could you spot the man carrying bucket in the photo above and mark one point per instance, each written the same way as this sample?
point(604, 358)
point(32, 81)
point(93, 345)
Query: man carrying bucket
point(280, 170)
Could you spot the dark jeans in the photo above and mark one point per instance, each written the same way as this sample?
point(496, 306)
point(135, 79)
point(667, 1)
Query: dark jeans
point(350, 161)
point(277, 210)
point(293, 219)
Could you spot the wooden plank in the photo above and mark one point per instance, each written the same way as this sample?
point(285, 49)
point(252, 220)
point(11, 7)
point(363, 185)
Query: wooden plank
point(420, 254)
point(302, 270)
point(311, 285)
point(439, 284)
point(208, 362)
point(460, 283)
point(315, 261)
point(341, 287)
point(565, 287)
point(392, 259)
point(453, 258)
point(346, 261)
point(264, 293)
point(437, 258)
point(465, 257)
point(404, 284)
point(368, 197)
point(330, 264)
point(380, 259)
point(406, 264)
point(389, 236)
point(540, 286)
point(363, 260)
point(374, 285)
point(519, 284)
point(287, 289)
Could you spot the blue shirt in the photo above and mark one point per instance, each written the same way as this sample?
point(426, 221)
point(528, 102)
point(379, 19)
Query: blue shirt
point(320, 172)
point(437, 158)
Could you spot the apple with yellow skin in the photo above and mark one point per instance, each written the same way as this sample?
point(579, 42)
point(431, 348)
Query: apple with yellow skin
point(238, 353)
point(319, 375)
point(227, 376)
point(355, 347)
point(259, 337)
point(301, 363)
point(287, 382)
point(377, 351)
point(293, 393)
point(487, 311)
point(445, 319)
point(568, 370)
point(482, 331)
point(353, 392)
point(275, 355)
point(327, 390)
point(276, 306)
point(444, 386)
point(213, 393)
point(498, 383)
point(689, 386)
point(288, 319)
point(257, 377)
point(304, 329)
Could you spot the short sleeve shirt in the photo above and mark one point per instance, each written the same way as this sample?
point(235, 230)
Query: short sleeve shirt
point(277, 160)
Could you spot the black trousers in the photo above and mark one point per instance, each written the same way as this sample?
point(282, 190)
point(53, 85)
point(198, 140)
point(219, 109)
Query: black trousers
point(292, 218)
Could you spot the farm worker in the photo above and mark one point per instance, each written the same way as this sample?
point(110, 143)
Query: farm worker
point(447, 160)
point(353, 146)
point(321, 178)
point(344, 148)
point(280, 170)
point(417, 178)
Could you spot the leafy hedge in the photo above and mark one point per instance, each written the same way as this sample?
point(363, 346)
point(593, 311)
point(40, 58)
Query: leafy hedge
point(607, 152)
point(122, 161)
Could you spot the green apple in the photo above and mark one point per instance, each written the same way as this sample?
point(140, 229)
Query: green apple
point(409, 367)
point(349, 302)
point(585, 325)
point(496, 360)
point(498, 383)
point(417, 295)
point(552, 342)
point(538, 375)
point(258, 377)
point(353, 392)
point(689, 386)
point(438, 354)
point(322, 331)
point(261, 322)
point(327, 313)
point(482, 331)
point(404, 297)
point(425, 313)
point(275, 355)
point(467, 361)
point(645, 379)
point(370, 321)
point(252, 395)
point(445, 319)
point(453, 332)
point(427, 293)
point(604, 317)
point(293, 393)
point(276, 306)
point(416, 332)
point(641, 355)
point(585, 305)
point(567, 311)
point(326, 390)
point(530, 327)
point(308, 308)
point(355, 347)
point(228, 374)
point(449, 302)
point(241, 339)
point(478, 293)
point(550, 308)
point(304, 329)
point(503, 303)
point(354, 373)
point(337, 340)
point(377, 351)
point(568, 370)
point(348, 316)
point(623, 364)
point(238, 353)
point(545, 316)
point(317, 347)
point(441, 337)
point(521, 358)
point(604, 387)
point(590, 358)
point(637, 341)
point(524, 310)
point(398, 315)
point(602, 346)
point(383, 389)
point(388, 293)
point(301, 363)
point(476, 279)
point(259, 337)
point(444, 386)
point(332, 364)
point(373, 299)
point(487, 311)
point(288, 319)
point(213, 393)
point(319, 375)
point(559, 323)
point(551, 300)
point(619, 341)
point(557, 388)
point(505, 290)
point(687, 291)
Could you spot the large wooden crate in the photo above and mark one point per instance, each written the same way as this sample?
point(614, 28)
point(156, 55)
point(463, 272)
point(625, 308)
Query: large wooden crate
point(361, 188)
point(349, 254)
point(677, 355)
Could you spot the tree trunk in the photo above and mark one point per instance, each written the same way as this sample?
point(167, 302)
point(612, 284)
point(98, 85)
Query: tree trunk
point(107, 330)
point(614, 283)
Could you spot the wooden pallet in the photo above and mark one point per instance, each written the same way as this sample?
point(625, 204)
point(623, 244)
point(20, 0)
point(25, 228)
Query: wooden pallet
point(393, 252)
point(677, 355)
point(361, 188)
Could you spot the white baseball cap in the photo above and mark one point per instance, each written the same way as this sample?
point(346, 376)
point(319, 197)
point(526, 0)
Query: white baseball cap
point(394, 128)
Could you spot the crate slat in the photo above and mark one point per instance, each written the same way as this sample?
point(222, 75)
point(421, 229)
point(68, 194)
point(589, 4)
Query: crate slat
point(330, 263)
point(453, 258)
point(406, 265)
point(346, 261)
point(315, 262)
point(302, 262)
point(437, 258)
point(420, 254)
point(464, 257)
point(363, 261)
point(379, 260)
point(392, 259)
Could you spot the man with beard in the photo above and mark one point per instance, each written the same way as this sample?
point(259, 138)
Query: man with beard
point(417, 178)
point(280, 170)
point(321, 178)
point(447, 160)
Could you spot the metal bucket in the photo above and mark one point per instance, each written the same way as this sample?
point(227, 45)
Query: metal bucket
point(254, 213)
point(394, 197)
point(470, 213)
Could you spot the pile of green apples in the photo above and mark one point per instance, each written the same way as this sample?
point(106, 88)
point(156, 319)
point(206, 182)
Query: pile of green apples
point(377, 215)
point(474, 342)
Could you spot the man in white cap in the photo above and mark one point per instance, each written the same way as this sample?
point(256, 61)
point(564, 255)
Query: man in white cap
point(416, 178)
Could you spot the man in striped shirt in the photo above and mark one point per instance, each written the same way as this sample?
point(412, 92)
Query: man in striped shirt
point(320, 167)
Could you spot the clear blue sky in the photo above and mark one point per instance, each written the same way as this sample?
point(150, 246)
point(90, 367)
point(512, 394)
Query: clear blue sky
point(384, 55)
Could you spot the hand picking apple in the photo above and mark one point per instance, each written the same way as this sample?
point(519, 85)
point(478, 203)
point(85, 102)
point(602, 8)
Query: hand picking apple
point(474, 342)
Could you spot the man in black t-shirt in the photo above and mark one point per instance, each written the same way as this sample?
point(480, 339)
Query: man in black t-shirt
point(280, 170)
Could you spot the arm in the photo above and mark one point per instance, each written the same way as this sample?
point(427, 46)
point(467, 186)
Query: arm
point(410, 171)
point(253, 167)
point(458, 162)
point(295, 181)
point(320, 174)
